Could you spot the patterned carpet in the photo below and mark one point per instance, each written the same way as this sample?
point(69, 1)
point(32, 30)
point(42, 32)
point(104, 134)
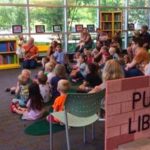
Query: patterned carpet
point(12, 136)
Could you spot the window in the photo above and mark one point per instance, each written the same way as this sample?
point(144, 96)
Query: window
point(83, 16)
point(14, 1)
point(82, 2)
point(139, 17)
point(47, 17)
point(113, 3)
point(47, 2)
point(12, 16)
point(139, 3)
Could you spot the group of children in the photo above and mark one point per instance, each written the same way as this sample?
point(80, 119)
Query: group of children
point(90, 68)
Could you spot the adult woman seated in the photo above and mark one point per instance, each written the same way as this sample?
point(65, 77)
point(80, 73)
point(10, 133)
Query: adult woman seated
point(31, 54)
point(50, 52)
point(85, 41)
point(140, 60)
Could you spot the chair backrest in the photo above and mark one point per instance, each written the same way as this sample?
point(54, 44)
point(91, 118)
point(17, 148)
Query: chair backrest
point(83, 104)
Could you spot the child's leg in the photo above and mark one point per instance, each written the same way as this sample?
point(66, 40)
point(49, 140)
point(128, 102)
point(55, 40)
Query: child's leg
point(22, 109)
point(18, 111)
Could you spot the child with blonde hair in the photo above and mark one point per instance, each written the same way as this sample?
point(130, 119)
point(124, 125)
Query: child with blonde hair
point(113, 54)
point(60, 73)
point(63, 87)
point(21, 91)
point(49, 70)
point(26, 75)
point(34, 107)
point(112, 71)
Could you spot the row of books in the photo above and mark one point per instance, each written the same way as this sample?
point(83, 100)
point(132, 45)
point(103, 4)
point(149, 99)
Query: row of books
point(117, 26)
point(8, 59)
point(106, 17)
point(7, 46)
point(117, 17)
point(107, 26)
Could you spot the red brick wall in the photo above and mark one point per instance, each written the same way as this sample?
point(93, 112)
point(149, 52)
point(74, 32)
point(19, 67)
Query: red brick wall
point(119, 108)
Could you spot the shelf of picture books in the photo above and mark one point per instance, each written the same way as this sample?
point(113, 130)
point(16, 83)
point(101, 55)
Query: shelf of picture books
point(111, 22)
point(8, 57)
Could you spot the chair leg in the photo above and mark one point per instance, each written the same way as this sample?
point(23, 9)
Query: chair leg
point(51, 136)
point(67, 131)
point(84, 135)
point(93, 131)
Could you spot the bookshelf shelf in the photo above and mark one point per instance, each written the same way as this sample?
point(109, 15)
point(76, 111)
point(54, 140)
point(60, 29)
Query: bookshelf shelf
point(111, 22)
point(7, 52)
point(8, 57)
point(105, 21)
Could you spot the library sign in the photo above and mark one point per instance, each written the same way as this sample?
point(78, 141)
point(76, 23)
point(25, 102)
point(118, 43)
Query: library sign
point(128, 111)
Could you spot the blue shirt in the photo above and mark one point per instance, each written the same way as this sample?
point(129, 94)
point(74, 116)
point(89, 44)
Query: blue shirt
point(60, 57)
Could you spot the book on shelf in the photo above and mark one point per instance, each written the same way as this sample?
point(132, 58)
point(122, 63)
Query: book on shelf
point(117, 17)
point(5, 60)
point(107, 17)
point(1, 59)
point(15, 59)
point(117, 26)
point(107, 26)
point(10, 46)
point(10, 59)
point(3, 47)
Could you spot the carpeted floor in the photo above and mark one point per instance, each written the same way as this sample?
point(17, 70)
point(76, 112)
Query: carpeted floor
point(12, 136)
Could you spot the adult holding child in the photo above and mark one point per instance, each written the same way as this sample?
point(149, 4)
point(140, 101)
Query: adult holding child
point(140, 60)
point(51, 50)
point(31, 54)
point(85, 41)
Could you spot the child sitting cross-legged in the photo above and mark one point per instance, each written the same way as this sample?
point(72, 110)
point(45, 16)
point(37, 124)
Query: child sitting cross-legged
point(63, 87)
point(34, 106)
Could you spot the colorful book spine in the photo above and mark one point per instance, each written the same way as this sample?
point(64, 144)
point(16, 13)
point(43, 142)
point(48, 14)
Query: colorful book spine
point(4, 59)
point(8, 47)
point(12, 46)
point(15, 59)
point(1, 59)
point(3, 47)
point(8, 59)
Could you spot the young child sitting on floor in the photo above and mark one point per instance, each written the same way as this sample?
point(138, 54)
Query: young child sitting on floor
point(49, 69)
point(26, 75)
point(63, 87)
point(59, 55)
point(92, 79)
point(79, 73)
point(22, 91)
point(34, 106)
point(44, 87)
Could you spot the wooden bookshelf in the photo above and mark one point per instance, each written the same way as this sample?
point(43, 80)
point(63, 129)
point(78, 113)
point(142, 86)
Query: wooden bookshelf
point(8, 57)
point(111, 22)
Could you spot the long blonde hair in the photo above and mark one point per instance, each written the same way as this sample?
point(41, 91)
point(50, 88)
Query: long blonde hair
point(112, 71)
